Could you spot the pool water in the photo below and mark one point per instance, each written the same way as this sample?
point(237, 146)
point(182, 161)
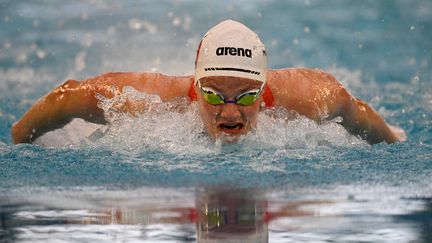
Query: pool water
point(159, 178)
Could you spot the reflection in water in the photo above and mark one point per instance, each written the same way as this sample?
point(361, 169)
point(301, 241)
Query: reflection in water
point(422, 219)
point(235, 215)
point(239, 215)
point(210, 215)
point(6, 226)
point(218, 215)
point(426, 223)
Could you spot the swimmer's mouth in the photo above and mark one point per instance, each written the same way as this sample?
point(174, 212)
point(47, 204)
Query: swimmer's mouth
point(231, 127)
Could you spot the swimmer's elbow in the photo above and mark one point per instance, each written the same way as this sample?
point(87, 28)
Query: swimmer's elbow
point(342, 103)
point(362, 120)
point(17, 136)
point(79, 101)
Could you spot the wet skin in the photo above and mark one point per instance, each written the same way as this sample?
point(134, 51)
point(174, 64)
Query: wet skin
point(230, 119)
point(310, 92)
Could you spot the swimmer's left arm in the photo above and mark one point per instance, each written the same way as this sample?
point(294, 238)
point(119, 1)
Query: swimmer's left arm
point(319, 96)
point(361, 119)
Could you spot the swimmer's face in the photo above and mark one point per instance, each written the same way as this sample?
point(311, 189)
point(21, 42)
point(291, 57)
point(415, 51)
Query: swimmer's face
point(229, 119)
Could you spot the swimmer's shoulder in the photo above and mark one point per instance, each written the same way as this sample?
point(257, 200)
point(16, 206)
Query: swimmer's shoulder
point(302, 82)
point(166, 86)
point(280, 78)
point(305, 90)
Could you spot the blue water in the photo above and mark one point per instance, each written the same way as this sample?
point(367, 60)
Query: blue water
point(344, 189)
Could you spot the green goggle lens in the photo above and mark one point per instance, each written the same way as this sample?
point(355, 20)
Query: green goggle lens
point(216, 219)
point(213, 98)
point(247, 99)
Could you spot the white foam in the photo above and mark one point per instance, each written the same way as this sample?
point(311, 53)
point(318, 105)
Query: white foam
point(162, 127)
point(76, 132)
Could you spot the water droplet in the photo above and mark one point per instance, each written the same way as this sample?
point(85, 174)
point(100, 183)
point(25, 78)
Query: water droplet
point(21, 58)
point(35, 23)
point(176, 21)
point(80, 62)
point(415, 79)
point(134, 24)
point(40, 54)
point(7, 45)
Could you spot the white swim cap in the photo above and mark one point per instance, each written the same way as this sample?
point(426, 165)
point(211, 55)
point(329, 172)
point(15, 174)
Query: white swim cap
point(231, 49)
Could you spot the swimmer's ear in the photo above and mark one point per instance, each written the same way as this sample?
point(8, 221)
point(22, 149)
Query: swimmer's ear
point(192, 92)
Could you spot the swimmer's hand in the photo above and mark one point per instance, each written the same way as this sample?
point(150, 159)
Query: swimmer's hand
point(399, 133)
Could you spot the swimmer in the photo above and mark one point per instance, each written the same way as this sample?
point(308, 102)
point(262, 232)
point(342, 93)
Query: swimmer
point(232, 84)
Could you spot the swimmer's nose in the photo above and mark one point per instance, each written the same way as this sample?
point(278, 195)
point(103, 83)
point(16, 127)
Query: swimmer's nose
point(230, 111)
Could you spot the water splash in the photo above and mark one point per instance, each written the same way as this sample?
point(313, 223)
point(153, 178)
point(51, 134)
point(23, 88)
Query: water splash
point(162, 127)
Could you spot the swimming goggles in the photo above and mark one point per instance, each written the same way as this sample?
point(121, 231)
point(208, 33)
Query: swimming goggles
point(214, 98)
point(218, 217)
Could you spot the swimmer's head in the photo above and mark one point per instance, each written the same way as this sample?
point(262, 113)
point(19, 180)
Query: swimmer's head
point(230, 74)
point(231, 49)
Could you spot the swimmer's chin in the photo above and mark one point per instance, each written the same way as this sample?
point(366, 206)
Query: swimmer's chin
point(228, 137)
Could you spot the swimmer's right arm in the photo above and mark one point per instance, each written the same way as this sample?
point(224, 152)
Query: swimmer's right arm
point(77, 99)
point(70, 100)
